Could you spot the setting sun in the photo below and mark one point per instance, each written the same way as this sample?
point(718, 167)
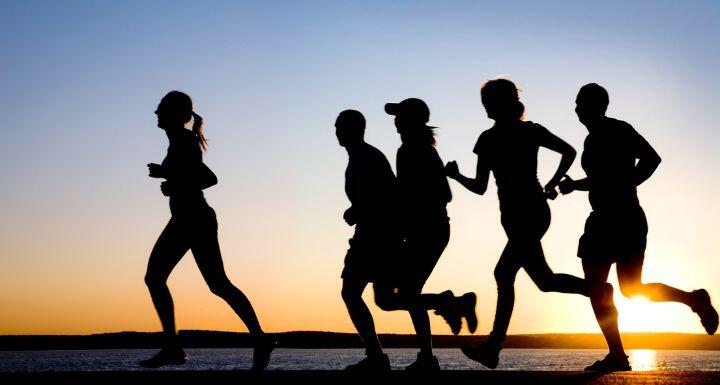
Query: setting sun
point(638, 314)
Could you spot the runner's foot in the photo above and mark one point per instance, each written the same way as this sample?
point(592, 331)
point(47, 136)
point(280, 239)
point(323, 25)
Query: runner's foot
point(703, 307)
point(485, 354)
point(467, 304)
point(451, 312)
point(264, 345)
point(166, 356)
point(375, 363)
point(611, 363)
point(424, 363)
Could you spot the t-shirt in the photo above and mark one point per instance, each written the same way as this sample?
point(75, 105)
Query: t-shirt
point(609, 159)
point(371, 187)
point(511, 152)
point(424, 188)
point(183, 167)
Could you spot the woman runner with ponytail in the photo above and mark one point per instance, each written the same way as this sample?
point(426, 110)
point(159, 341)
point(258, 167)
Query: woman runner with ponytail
point(509, 149)
point(192, 226)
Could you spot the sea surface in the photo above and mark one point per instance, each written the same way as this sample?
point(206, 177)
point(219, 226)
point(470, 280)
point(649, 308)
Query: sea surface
point(335, 359)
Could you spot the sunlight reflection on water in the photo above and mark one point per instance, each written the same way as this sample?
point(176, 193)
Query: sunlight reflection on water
point(643, 359)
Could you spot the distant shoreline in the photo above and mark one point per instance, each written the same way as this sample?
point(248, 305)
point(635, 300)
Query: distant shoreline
point(329, 340)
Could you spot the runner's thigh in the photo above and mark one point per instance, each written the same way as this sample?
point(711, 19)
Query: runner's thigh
point(206, 249)
point(169, 249)
point(596, 271)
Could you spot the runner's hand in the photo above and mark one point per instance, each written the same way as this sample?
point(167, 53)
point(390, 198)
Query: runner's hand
point(567, 185)
point(452, 170)
point(349, 216)
point(550, 192)
point(155, 170)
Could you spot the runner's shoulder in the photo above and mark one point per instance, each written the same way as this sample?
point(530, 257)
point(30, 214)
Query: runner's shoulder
point(484, 141)
point(372, 153)
point(529, 124)
point(619, 125)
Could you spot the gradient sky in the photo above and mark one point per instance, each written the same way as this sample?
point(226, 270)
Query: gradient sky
point(79, 82)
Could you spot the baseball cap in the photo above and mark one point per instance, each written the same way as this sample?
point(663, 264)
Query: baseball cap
point(410, 107)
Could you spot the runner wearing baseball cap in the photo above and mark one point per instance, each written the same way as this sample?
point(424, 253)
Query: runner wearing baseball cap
point(423, 195)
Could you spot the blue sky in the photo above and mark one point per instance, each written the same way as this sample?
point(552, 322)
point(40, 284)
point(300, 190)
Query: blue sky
point(81, 79)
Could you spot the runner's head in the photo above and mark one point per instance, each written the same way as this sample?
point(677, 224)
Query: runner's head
point(350, 127)
point(591, 103)
point(175, 111)
point(411, 120)
point(501, 100)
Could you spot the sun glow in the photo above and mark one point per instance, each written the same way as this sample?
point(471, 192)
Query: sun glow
point(638, 314)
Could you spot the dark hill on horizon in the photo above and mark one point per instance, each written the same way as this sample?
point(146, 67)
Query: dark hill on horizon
point(329, 340)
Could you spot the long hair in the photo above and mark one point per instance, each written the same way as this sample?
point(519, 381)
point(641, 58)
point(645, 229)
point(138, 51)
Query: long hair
point(197, 130)
point(181, 105)
point(427, 134)
point(419, 134)
point(502, 100)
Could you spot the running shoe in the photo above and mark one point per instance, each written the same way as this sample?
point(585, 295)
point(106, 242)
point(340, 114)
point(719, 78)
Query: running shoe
point(611, 363)
point(379, 363)
point(485, 354)
point(451, 312)
point(704, 308)
point(264, 345)
point(424, 363)
point(166, 356)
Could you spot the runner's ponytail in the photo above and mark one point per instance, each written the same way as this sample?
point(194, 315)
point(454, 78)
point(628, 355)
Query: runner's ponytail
point(197, 130)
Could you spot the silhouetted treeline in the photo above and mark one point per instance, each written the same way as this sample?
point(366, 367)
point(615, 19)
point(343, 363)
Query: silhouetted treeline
point(326, 340)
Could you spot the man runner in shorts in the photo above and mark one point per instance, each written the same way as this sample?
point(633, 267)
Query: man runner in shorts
point(616, 230)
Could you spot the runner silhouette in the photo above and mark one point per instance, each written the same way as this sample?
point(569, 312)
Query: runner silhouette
point(616, 230)
point(380, 252)
point(424, 193)
point(371, 187)
point(192, 226)
point(509, 149)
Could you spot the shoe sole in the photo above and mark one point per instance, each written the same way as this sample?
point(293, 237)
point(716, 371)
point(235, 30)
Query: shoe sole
point(710, 325)
point(488, 365)
point(608, 371)
point(472, 321)
point(174, 363)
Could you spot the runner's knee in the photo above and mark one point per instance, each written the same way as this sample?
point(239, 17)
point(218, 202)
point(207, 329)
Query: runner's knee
point(155, 281)
point(630, 289)
point(350, 296)
point(221, 287)
point(388, 299)
point(505, 285)
point(386, 302)
point(545, 284)
point(503, 276)
point(543, 277)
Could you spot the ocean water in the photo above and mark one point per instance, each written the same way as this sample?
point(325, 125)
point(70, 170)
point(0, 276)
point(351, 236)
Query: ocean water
point(335, 359)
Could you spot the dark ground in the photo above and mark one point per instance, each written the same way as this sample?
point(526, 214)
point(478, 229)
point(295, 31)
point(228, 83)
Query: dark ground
point(338, 377)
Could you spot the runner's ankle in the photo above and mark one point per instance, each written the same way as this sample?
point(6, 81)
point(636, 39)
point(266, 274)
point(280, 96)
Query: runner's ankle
point(374, 352)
